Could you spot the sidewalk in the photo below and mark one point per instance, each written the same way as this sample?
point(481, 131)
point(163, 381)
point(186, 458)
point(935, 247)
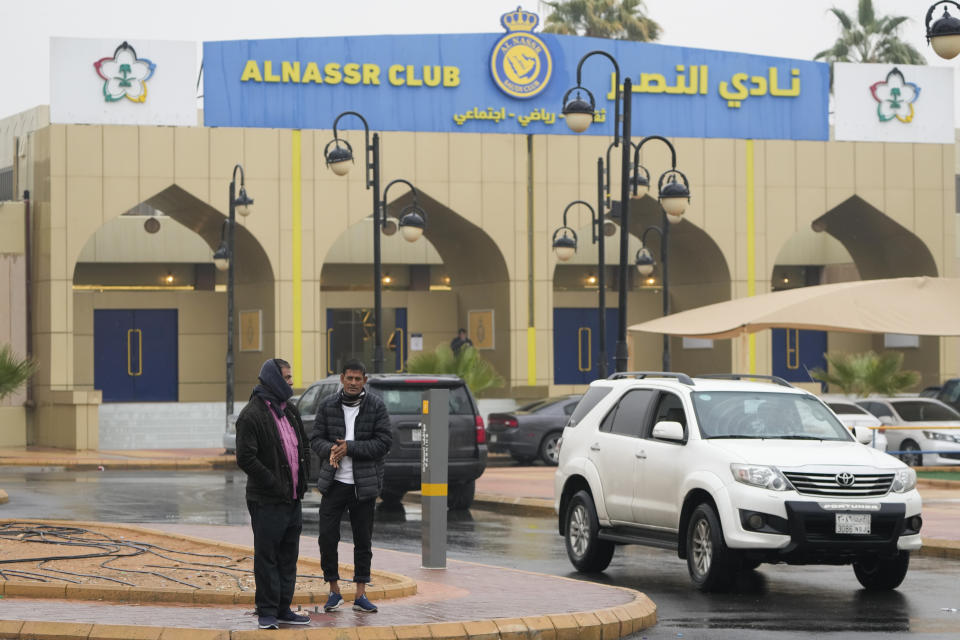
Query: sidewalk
point(465, 600)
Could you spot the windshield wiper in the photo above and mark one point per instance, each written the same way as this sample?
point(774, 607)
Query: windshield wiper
point(795, 437)
point(735, 437)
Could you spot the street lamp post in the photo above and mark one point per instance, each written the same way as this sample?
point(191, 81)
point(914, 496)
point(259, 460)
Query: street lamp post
point(224, 259)
point(673, 197)
point(566, 245)
point(412, 220)
point(579, 114)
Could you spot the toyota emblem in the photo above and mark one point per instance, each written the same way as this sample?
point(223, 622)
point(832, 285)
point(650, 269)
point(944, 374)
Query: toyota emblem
point(845, 479)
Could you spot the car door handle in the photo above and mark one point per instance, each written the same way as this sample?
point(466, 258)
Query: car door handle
point(641, 454)
point(595, 447)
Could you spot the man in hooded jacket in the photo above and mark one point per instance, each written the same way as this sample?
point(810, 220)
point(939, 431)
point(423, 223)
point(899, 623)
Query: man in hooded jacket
point(272, 449)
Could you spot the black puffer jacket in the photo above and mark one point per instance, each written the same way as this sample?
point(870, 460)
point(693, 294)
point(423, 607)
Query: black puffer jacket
point(260, 454)
point(371, 444)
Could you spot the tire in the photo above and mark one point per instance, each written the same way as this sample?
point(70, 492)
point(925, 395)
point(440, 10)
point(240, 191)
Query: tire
point(882, 574)
point(586, 551)
point(711, 564)
point(549, 452)
point(392, 497)
point(911, 456)
point(460, 496)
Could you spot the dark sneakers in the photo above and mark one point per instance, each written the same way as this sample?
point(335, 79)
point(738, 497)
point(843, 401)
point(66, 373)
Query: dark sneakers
point(292, 618)
point(334, 602)
point(268, 622)
point(363, 605)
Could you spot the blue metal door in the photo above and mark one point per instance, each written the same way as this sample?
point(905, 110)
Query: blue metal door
point(576, 344)
point(796, 352)
point(135, 354)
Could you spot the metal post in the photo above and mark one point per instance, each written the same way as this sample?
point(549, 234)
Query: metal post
point(377, 267)
point(433, 480)
point(230, 252)
point(622, 351)
point(665, 289)
point(601, 280)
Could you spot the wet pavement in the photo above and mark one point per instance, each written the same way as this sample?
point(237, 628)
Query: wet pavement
point(772, 602)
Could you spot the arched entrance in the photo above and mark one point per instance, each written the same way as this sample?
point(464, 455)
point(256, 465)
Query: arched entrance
point(150, 309)
point(852, 241)
point(457, 275)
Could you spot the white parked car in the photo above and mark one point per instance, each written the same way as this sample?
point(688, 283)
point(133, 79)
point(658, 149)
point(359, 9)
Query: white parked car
point(852, 416)
point(730, 473)
point(938, 443)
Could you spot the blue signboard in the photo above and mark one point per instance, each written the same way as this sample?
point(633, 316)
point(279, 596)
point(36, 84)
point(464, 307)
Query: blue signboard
point(509, 82)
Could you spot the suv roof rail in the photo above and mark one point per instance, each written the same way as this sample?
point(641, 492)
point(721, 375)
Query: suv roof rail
point(740, 376)
point(682, 377)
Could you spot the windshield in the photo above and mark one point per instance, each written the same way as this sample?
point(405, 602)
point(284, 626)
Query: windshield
point(918, 411)
point(843, 407)
point(744, 414)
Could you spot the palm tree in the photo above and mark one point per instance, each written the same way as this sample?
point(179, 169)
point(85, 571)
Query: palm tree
point(613, 19)
point(862, 374)
point(870, 39)
point(13, 371)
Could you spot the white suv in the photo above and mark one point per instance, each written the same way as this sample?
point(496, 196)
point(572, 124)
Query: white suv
point(730, 473)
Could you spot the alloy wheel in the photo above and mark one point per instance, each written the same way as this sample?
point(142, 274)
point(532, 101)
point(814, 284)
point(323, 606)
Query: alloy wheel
point(579, 530)
point(702, 547)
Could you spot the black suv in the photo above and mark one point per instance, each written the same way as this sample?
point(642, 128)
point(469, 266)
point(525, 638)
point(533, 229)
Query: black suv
point(402, 393)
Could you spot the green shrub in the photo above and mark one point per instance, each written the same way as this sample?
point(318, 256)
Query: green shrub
point(862, 374)
point(478, 373)
point(14, 371)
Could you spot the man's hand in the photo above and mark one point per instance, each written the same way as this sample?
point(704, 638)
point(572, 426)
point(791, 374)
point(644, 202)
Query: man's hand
point(337, 452)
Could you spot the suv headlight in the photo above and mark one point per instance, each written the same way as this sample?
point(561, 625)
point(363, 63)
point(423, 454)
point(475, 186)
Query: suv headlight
point(760, 476)
point(904, 480)
point(936, 435)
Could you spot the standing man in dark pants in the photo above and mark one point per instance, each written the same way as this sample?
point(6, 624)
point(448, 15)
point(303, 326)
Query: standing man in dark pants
point(351, 437)
point(272, 451)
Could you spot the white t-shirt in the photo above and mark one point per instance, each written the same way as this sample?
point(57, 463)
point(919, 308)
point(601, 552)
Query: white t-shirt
point(345, 470)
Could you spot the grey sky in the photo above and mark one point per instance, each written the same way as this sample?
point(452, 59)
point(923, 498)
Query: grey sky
point(787, 28)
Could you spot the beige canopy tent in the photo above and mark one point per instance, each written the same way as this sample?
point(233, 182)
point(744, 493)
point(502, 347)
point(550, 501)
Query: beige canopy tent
point(917, 306)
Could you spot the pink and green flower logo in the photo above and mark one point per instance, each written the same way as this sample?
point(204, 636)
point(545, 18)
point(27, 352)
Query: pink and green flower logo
point(895, 97)
point(124, 75)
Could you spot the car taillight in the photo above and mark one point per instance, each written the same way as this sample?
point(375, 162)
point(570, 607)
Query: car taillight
point(481, 432)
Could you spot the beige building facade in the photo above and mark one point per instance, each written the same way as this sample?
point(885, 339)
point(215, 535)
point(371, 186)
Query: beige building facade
point(763, 215)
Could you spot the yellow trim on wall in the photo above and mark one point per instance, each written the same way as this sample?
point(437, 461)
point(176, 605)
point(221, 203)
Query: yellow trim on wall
point(297, 257)
point(531, 356)
point(751, 253)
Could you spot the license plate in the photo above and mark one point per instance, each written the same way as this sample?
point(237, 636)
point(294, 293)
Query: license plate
point(415, 435)
point(493, 437)
point(852, 523)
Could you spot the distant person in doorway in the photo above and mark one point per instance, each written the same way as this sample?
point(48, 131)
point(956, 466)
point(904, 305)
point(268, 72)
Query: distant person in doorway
point(272, 451)
point(460, 341)
point(351, 437)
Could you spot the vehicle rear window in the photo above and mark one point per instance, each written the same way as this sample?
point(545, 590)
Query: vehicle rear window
point(587, 402)
point(914, 411)
point(844, 407)
point(408, 400)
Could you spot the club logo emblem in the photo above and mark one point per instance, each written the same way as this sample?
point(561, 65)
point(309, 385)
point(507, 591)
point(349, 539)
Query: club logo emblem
point(895, 97)
point(520, 62)
point(124, 75)
point(845, 479)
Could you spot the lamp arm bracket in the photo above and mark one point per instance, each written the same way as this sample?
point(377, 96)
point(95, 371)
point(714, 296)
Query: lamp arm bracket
point(616, 68)
point(673, 151)
point(239, 167)
point(384, 201)
point(643, 237)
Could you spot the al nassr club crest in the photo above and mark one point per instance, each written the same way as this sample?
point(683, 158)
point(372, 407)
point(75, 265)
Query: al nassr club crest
point(520, 62)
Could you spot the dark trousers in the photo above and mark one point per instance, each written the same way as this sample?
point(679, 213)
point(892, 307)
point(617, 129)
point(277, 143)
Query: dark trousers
point(342, 497)
point(276, 546)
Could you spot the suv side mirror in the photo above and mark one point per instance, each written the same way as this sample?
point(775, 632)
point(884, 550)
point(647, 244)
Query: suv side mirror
point(668, 430)
point(886, 420)
point(864, 435)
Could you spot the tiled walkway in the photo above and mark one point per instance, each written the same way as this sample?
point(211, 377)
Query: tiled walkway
point(461, 592)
